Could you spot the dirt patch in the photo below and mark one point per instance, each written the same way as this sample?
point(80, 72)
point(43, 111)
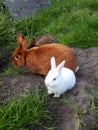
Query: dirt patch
point(67, 115)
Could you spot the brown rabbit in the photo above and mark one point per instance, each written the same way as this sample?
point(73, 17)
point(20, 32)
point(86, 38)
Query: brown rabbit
point(37, 59)
point(46, 39)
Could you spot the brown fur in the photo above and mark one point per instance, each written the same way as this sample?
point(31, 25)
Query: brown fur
point(37, 59)
point(46, 39)
point(32, 43)
point(38, 41)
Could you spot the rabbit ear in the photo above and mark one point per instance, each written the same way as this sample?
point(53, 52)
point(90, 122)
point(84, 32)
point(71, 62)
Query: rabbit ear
point(33, 42)
point(61, 65)
point(25, 43)
point(19, 39)
point(53, 64)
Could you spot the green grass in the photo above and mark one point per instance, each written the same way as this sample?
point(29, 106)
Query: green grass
point(12, 70)
point(77, 108)
point(73, 23)
point(7, 28)
point(21, 113)
point(93, 106)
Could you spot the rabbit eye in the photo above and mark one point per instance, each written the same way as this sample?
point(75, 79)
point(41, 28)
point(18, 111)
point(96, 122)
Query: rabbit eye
point(54, 79)
point(17, 57)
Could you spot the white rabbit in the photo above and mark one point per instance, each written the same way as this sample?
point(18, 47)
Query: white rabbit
point(59, 79)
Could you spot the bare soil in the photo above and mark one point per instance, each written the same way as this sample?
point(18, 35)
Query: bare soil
point(67, 116)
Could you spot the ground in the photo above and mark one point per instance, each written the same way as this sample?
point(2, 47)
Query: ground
point(69, 116)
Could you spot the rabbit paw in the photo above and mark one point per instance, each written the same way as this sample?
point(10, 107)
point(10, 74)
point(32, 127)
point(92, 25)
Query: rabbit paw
point(56, 95)
point(49, 92)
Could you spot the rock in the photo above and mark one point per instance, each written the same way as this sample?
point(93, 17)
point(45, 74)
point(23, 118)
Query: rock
point(24, 8)
point(74, 105)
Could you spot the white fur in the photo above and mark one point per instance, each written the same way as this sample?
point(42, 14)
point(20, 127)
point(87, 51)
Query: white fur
point(59, 79)
point(77, 69)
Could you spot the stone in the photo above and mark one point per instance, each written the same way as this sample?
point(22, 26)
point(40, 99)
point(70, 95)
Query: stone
point(24, 8)
point(74, 106)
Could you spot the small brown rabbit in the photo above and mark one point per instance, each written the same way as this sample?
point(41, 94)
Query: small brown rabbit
point(37, 59)
point(46, 39)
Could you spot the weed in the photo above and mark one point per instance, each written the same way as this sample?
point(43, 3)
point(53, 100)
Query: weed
point(77, 108)
point(11, 69)
point(73, 23)
point(94, 104)
point(25, 111)
point(78, 111)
